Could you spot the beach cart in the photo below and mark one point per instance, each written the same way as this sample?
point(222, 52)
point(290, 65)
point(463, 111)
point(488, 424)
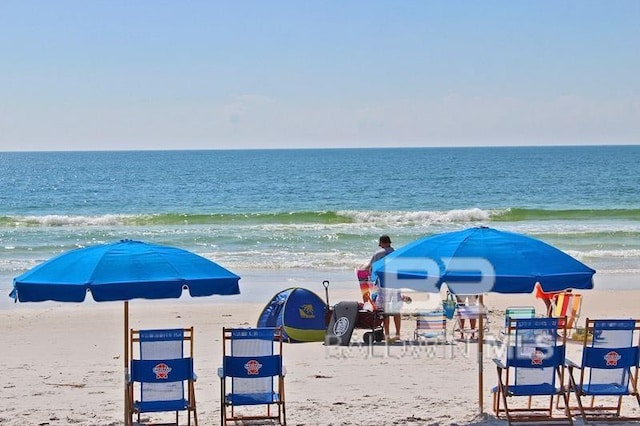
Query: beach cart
point(346, 316)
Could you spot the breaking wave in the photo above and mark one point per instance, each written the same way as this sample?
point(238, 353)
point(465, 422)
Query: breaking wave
point(471, 215)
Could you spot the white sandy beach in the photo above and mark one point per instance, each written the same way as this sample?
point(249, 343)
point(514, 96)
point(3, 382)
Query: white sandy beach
point(62, 365)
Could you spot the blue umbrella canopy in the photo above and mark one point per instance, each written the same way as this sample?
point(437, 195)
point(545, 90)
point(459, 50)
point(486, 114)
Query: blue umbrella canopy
point(123, 270)
point(482, 260)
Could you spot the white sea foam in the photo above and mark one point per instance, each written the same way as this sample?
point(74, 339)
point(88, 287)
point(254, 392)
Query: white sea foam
point(618, 254)
point(419, 217)
point(70, 220)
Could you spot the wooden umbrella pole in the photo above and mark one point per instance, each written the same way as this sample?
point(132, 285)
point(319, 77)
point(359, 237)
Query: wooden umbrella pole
point(126, 363)
point(480, 354)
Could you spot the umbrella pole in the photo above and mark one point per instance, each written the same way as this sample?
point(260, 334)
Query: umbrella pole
point(480, 354)
point(126, 363)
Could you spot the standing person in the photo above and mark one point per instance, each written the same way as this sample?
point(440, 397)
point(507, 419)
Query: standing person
point(385, 248)
point(472, 321)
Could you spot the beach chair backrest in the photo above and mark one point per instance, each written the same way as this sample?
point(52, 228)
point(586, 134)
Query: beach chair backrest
point(518, 312)
point(534, 369)
point(162, 367)
point(472, 313)
point(568, 304)
point(162, 345)
point(536, 353)
point(431, 324)
point(468, 312)
point(515, 313)
point(251, 363)
point(252, 346)
point(252, 374)
point(609, 355)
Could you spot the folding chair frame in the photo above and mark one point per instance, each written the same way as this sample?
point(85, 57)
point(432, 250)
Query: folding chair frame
point(228, 412)
point(134, 338)
point(503, 391)
point(606, 413)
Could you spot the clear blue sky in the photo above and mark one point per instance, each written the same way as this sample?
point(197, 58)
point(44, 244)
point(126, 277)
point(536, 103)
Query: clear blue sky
point(152, 74)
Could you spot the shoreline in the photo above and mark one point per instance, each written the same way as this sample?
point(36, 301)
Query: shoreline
point(257, 286)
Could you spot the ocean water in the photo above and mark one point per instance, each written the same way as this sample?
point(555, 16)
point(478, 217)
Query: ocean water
point(316, 214)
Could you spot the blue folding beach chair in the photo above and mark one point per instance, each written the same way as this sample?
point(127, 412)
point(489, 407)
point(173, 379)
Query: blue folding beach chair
point(534, 368)
point(252, 374)
point(162, 377)
point(609, 369)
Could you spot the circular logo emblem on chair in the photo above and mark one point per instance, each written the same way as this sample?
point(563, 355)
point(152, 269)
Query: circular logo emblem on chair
point(537, 357)
point(612, 358)
point(253, 367)
point(341, 326)
point(161, 371)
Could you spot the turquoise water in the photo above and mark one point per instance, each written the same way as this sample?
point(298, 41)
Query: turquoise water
point(318, 212)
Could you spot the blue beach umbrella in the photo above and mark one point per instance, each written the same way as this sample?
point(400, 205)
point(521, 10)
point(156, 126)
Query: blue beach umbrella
point(481, 260)
point(123, 271)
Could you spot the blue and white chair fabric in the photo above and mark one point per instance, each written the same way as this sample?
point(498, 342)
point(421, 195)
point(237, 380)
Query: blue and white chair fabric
point(609, 369)
point(252, 374)
point(533, 368)
point(162, 376)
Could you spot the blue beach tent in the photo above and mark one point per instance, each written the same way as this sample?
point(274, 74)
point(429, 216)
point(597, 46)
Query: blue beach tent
point(299, 311)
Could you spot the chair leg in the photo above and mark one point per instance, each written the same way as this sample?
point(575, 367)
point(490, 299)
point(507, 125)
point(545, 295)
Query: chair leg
point(567, 410)
point(282, 401)
point(504, 401)
point(498, 394)
point(497, 397)
point(223, 407)
point(192, 404)
point(579, 399)
point(284, 415)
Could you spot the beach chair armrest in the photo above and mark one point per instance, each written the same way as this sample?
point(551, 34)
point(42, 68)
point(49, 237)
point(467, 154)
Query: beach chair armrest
point(284, 371)
point(499, 363)
point(572, 364)
point(221, 372)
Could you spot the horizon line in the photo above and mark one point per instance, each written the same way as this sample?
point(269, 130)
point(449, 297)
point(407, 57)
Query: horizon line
point(319, 148)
